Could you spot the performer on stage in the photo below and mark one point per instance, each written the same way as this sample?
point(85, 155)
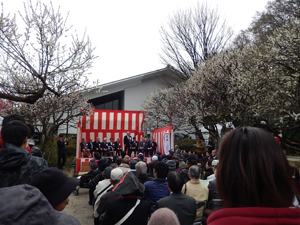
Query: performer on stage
point(111, 147)
point(118, 148)
point(104, 146)
point(127, 140)
point(134, 146)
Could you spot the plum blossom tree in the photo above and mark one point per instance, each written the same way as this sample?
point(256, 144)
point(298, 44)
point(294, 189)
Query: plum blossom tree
point(52, 111)
point(43, 57)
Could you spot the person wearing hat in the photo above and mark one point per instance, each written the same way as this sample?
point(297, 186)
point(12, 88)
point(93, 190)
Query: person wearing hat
point(115, 176)
point(25, 204)
point(158, 153)
point(127, 210)
point(102, 188)
point(141, 157)
point(55, 186)
point(171, 164)
point(190, 161)
point(214, 165)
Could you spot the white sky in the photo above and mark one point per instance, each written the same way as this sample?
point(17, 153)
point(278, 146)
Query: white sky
point(126, 32)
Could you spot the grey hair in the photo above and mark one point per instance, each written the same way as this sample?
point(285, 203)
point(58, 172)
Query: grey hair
point(195, 171)
point(141, 167)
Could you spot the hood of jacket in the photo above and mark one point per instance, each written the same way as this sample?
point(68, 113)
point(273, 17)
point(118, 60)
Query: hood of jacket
point(25, 204)
point(12, 156)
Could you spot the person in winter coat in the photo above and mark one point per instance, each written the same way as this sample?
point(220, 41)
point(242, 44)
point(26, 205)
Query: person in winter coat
point(25, 204)
point(254, 181)
point(17, 166)
point(158, 187)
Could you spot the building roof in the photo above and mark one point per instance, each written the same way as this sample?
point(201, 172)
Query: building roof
point(129, 81)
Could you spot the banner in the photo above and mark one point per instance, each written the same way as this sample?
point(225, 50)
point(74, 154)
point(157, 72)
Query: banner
point(164, 139)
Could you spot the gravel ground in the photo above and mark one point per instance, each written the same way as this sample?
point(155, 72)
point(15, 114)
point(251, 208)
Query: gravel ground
point(79, 207)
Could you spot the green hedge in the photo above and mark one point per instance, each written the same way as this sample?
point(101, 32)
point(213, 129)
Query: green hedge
point(51, 156)
point(186, 144)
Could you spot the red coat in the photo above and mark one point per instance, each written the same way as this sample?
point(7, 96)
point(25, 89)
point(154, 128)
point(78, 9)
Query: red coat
point(255, 215)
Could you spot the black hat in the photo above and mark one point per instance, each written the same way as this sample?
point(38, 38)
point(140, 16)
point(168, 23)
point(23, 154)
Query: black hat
point(158, 153)
point(191, 158)
point(54, 185)
point(129, 184)
point(134, 138)
point(171, 151)
point(107, 171)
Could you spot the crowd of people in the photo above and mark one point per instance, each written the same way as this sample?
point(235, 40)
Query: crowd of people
point(131, 147)
point(247, 181)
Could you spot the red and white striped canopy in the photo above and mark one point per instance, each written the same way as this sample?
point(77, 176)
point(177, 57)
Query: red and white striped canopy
point(110, 124)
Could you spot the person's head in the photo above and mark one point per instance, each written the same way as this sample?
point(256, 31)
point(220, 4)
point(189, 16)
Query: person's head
point(210, 139)
point(208, 154)
point(169, 157)
point(140, 157)
point(163, 216)
point(145, 139)
point(128, 185)
point(111, 139)
point(132, 164)
point(161, 170)
point(208, 163)
point(191, 160)
point(97, 139)
point(213, 153)
point(115, 176)
point(83, 139)
point(125, 161)
point(175, 182)
point(154, 158)
point(253, 171)
point(15, 132)
point(12, 117)
point(128, 133)
point(134, 138)
point(104, 139)
point(118, 139)
point(141, 168)
point(171, 164)
point(215, 165)
point(119, 161)
point(106, 172)
point(55, 186)
point(176, 147)
point(199, 139)
point(91, 139)
point(194, 172)
point(171, 153)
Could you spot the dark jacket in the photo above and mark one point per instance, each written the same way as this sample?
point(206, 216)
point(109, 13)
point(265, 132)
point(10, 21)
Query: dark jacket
point(182, 205)
point(144, 178)
point(61, 146)
point(155, 190)
point(17, 166)
point(25, 204)
point(35, 151)
point(117, 209)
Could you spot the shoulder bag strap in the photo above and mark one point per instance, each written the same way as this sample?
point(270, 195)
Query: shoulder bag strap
point(129, 213)
point(185, 188)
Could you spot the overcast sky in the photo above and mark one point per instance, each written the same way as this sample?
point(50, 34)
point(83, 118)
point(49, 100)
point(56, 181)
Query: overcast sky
point(126, 32)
